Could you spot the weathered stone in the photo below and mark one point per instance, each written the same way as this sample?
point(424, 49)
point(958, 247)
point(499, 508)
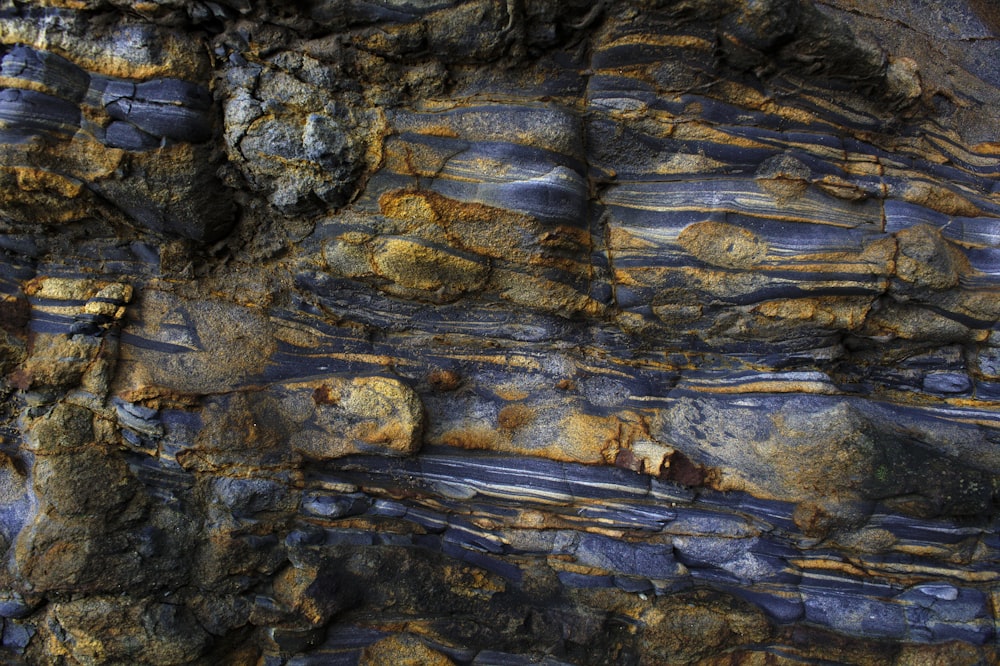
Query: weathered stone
point(499, 332)
point(405, 650)
point(360, 415)
point(86, 630)
point(667, 628)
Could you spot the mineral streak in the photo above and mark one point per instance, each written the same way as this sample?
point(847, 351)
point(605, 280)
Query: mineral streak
point(497, 333)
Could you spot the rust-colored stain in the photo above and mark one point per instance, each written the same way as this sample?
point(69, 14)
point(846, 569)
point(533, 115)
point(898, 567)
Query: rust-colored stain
point(515, 416)
point(444, 380)
point(684, 471)
point(322, 395)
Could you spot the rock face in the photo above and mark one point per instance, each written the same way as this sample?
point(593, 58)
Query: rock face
point(499, 332)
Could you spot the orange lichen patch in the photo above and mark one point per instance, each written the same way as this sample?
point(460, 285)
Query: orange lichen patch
point(565, 238)
point(509, 360)
point(413, 159)
point(415, 265)
point(472, 168)
point(562, 563)
point(301, 589)
point(402, 650)
point(839, 566)
point(686, 163)
point(912, 322)
point(442, 131)
point(932, 552)
point(621, 71)
point(676, 314)
point(176, 54)
point(472, 582)
point(723, 244)
point(840, 188)
point(604, 439)
point(784, 188)
point(688, 627)
point(485, 230)
point(472, 438)
point(510, 393)
point(26, 191)
point(698, 131)
point(792, 113)
point(545, 294)
point(944, 654)
point(632, 276)
point(621, 238)
point(725, 283)
point(407, 205)
point(369, 359)
point(986, 148)
point(62, 289)
point(593, 439)
point(533, 519)
point(70, 4)
point(385, 39)
point(296, 335)
point(675, 306)
point(393, 435)
point(939, 198)
point(158, 397)
point(651, 39)
point(858, 164)
point(881, 255)
point(841, 312)
point(27, 84)
point(55, 361)
point(89, 160)
point(872, 540)
point(977, 403)
point(471, 219)
point(350, 255)
point(515, 416)
point(392, 413)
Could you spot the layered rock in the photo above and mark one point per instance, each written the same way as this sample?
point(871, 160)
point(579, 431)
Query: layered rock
point(484, 332)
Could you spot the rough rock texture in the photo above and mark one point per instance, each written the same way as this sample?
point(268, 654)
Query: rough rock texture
point(499, 332)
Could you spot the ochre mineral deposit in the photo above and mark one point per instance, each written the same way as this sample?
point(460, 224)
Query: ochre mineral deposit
point(499, 332)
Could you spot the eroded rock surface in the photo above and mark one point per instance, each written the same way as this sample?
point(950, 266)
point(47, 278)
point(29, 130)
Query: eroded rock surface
point(499, 332)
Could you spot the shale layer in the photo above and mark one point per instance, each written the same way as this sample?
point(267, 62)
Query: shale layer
point(498, 333)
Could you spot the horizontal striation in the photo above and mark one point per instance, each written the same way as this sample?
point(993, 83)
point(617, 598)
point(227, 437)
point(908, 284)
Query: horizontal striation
point(503, 333)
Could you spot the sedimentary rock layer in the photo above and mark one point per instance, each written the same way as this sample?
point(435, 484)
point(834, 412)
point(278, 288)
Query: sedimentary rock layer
point(497, 333)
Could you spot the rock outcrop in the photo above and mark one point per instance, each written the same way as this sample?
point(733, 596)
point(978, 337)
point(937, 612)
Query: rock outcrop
point(499, 332)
